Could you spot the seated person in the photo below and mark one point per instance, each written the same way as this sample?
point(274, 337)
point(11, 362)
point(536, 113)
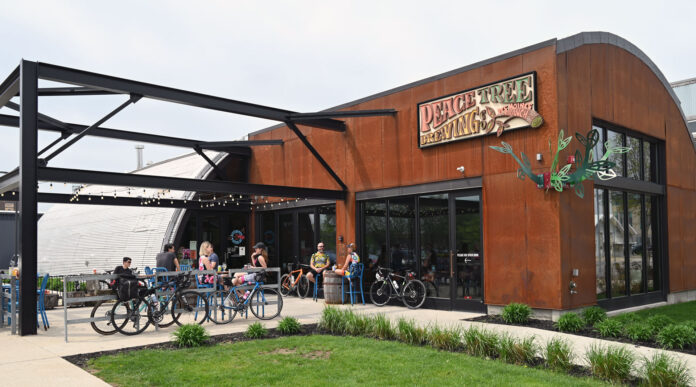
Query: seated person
point(352, 259)
point(258, 259)
point(167, 259)
point(125, 268)
point(318, 263)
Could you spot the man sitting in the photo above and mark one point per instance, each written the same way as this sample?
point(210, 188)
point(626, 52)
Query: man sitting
point(318, 263)
point(167, 258)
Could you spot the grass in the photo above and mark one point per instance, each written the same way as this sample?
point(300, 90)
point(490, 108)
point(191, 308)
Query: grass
point(677, 312)
point(318, 360)
point(665, 370)
point(613, 363)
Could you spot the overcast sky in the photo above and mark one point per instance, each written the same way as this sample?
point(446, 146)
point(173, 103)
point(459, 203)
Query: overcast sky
point(301, 55)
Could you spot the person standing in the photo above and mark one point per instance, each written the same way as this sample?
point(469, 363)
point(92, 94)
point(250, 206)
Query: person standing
point(167, 258)
point(318, 263)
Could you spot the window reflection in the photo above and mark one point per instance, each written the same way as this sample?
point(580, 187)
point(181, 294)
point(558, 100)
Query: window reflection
point(402, 234)
point(633, 159)
point(327, 230)
point(600, 255)
point(434, 234)
point(617, 244)
point(616, 139)
point(635, 240)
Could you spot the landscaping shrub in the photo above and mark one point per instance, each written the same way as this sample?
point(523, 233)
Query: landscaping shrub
point(357, 325)
point(628, 318)
point(289, 326)
point(559, 354)
point(676, 336)
point(665, 370)
point(481, 342)
point(517, 351)
point(593, 315)
point(613, 363)
point(690, 323)
point(658, 321)
point(333, 320)
point(515, 313)
point(448, 339)
point(256, 331)
point(410, 333)
point(383, 328)
point(569, 322)
point(190, 335)
point(639, 331)
point(609, 328)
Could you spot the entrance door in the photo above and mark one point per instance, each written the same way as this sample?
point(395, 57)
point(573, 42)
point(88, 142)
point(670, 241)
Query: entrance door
point(466, 253)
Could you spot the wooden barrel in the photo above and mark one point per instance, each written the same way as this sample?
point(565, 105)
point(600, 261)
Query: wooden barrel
point(332, 288)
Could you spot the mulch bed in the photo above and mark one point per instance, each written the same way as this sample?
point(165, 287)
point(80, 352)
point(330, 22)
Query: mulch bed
point(587, 332)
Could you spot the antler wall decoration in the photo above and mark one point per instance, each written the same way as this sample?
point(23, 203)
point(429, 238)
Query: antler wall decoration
point(586, 167)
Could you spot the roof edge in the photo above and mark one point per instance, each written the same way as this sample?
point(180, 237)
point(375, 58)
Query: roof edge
point(433, 78)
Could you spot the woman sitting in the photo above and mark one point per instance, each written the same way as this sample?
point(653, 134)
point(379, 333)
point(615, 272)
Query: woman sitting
point(258, 259)
point(352, 259)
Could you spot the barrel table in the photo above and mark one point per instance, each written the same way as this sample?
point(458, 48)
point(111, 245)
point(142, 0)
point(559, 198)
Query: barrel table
point(332, 288)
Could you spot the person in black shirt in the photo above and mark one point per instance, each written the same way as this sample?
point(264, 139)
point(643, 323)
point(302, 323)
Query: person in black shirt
point(125, 269)
point(167, 258)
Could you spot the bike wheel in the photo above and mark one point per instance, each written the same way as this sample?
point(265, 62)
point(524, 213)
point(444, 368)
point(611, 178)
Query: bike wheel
point(221, 307)
point(190, 307)
point(285, 285)
point(103, 311)
point(380, 292)
point(130, 317)
point(303, 287)
point(414, 294)
point(266, 304)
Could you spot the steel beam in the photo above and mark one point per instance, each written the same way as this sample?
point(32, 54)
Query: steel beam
point(27, 197)
point(218, 172)
point(214, 145)
point(133, 99)
point(9, 181)
point(182, 184)
point(341, 114)
point(9, 87)
point(316, 154)
point(125, 86)
point(106, 200)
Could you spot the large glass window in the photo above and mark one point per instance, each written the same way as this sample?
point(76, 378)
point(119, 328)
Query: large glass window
point(327, 230)
point(633, 159)
point(617, 245)
point(375, 235)
point(616, 139)
point(635, 242)
point(600, 252)
point(653, 267)
point(402, 233)
point(434, 242)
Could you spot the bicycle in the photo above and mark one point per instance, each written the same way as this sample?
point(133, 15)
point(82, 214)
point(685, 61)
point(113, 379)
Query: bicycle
point(264, 303)
point(411, 291)
point(102, 310)
point(296, 281)
point(134, 316)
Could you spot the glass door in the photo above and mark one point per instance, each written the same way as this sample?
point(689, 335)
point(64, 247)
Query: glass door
point(466, 253)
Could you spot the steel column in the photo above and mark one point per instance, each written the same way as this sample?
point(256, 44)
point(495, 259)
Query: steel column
point(27, 197)
point(316, 154)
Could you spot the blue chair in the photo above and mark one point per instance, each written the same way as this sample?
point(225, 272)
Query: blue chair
point(164, 279)
point(41, 305)
point(150, 280)
point(185, 267)
point(316, 286)
point(356, 274)
point(203, 285)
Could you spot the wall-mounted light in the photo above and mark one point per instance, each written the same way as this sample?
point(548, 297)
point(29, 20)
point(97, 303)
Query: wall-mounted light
point(461, 169)
point(539, 156)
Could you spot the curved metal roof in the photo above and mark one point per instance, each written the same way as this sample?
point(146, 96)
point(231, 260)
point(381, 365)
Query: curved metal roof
point(75, 238)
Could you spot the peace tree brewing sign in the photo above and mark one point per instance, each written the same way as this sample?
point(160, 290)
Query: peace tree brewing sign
point(504, 105)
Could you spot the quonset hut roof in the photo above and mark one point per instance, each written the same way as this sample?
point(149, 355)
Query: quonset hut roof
point(75, 238)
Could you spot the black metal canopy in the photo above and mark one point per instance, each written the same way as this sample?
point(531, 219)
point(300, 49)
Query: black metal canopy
point(23, 181)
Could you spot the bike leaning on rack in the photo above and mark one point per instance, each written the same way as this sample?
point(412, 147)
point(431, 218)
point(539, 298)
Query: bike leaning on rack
point(264, 303)
point(389, 285)
point(133, 316)
point(296, 281)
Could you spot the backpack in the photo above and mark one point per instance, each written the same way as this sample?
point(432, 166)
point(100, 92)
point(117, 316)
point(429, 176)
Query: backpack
point(127, 287)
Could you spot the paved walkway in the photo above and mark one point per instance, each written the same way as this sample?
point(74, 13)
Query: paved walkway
point(32, 360)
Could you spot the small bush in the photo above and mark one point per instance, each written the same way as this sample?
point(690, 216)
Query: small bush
point(448, 339)
point(190, 335)
point(639, 331)
point(559, 355)
point(658, 321)
point(410, 333)
point(609, 328)
point(357, 325)
point(676, 336)
point(515, 313)
point(665, 370)
point(593, 315)
point(516, 351)
point(569, 322)
point(333, 320)
point(690, 323)
point(289, 326)
point(481, 342)
point(256, 331)
point(612, 363)
point(383, 328)
point(628, 318)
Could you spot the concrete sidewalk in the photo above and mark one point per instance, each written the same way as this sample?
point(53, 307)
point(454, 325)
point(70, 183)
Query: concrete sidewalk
point(32, 360)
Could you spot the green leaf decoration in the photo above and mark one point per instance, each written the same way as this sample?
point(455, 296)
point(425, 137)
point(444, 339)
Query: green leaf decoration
point(592, 139)
point(582, 139)
point(525, 160)
point(564, 171)
point(520, 174)
point(579, 190)
point(499, 149)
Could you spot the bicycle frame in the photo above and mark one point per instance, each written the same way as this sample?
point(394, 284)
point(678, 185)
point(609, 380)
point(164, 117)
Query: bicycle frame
point(296, 280)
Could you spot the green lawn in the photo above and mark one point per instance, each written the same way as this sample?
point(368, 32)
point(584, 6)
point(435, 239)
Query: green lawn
point(677, 312)
point(317, 360)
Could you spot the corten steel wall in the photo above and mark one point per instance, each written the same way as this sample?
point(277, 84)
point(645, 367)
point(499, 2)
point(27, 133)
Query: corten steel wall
point(609, 83)
point(520, 222)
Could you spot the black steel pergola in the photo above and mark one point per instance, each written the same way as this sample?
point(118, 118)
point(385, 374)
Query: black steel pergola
point(34, 163)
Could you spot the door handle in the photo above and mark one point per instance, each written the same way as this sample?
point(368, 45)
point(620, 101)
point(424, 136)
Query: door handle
point(451, 263)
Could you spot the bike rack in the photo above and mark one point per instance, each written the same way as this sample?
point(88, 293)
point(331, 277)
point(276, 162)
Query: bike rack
point(13, 303)
point(81, 300)
point(275, 286)
point(159, 292)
